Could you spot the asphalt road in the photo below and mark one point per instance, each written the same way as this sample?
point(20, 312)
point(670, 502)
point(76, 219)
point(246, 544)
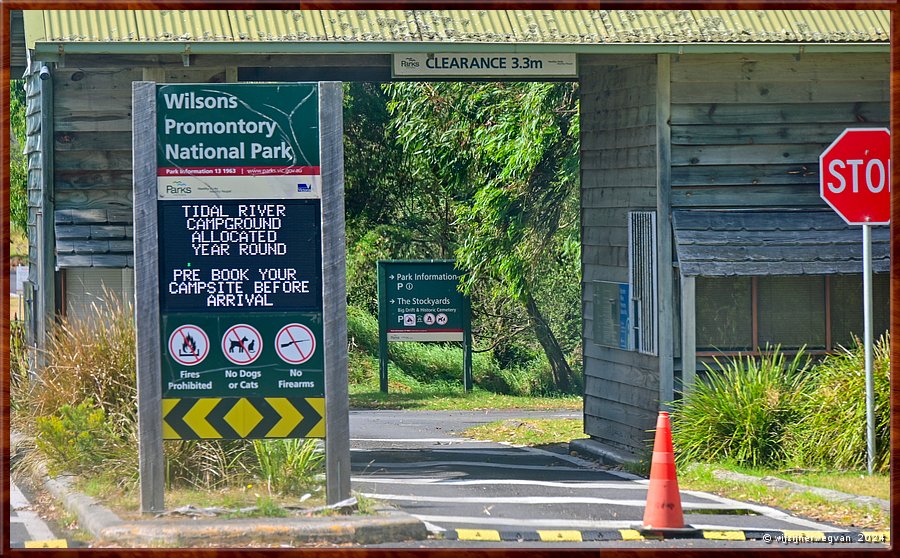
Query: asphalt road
point(417, 461)
point(25, 526)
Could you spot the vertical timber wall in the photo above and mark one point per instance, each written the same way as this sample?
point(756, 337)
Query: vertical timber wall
point(618, 174)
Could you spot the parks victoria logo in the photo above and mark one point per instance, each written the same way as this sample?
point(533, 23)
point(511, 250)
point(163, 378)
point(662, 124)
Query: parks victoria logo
point(178, 188)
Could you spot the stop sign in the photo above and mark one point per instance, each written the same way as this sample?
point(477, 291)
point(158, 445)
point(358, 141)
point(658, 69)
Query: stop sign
point(855, 176)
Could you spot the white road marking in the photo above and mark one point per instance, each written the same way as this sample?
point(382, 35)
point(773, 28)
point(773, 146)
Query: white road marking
point(766, 511)
point(426, 464)
point(423, 440)
point(567, 523)
point(578, 461)
point(458, 451)
point(620, 485)
point(37, 529)
point(541, 500)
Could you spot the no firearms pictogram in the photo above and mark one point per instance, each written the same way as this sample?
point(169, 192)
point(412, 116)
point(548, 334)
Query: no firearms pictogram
point(295, 343)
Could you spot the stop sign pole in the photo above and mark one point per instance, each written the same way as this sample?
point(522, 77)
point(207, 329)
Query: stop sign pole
point(855, 180)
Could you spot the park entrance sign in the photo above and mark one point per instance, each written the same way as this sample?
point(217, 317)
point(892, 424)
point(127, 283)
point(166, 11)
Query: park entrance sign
point(855, 180)
point(240, 259)
point(419, 300)
point(240, 328)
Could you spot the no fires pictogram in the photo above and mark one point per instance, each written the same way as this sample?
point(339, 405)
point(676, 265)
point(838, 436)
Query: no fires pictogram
point(295, 343)
point(188, 345)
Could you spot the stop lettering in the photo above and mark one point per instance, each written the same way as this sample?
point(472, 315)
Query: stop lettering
point(855, 176)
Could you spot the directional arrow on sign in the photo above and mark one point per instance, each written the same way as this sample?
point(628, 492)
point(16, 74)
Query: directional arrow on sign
point(217, 419)
point(236, 418)
point(270, 417)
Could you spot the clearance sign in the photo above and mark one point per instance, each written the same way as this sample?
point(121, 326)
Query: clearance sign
point(488, 65)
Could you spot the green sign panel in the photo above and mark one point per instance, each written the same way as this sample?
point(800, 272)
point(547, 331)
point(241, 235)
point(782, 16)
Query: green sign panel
point(269, 354)
point(246, 126)
point(240, 260)
point(419, 300)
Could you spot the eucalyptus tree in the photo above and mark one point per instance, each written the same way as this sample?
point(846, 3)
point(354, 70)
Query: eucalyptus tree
point(508, 154)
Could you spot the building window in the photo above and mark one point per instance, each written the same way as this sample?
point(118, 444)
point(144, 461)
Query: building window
point(642, 279)
point(724, 313)
point(741, 314)
point(791, 311)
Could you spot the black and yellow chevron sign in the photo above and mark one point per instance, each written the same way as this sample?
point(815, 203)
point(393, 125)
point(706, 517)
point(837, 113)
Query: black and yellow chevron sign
point(234, 418)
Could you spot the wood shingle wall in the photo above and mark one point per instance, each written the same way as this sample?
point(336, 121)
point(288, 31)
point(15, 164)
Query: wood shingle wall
point(93, 159)
point(618, 174)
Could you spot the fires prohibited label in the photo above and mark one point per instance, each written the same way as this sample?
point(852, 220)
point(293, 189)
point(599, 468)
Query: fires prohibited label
point(188, 345)
point(295, 343)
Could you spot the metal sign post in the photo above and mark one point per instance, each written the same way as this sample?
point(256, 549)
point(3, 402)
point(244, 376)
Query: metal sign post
point(867, 340)
point(855, 180)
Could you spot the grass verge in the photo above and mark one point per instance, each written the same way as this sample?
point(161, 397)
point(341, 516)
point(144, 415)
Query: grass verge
point(442, 398)
point(529, 432)
point(700, 477)
point(245, 501)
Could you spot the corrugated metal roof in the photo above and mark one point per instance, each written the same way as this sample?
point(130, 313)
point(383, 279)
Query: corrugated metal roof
point(469, 26)
point(370, 25)
point(290, 25)
point(184, 25)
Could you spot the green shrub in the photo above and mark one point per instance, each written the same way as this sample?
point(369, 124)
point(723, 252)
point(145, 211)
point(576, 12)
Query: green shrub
point(741, 413)
point(76, 439)
point(832, 431)
point(289, 466)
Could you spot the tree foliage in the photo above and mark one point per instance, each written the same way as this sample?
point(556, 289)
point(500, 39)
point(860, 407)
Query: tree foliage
point(18, 165)
point(509, 154)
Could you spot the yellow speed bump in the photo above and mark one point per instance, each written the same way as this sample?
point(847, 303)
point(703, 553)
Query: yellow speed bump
point(631, 535)
point(478, 535)
point(560, 536)
point(724, 535)
point(52, 543)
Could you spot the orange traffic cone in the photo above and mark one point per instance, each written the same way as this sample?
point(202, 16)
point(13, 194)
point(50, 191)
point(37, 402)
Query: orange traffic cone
point(663, 511)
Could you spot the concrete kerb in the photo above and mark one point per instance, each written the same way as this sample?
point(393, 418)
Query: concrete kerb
point(388, 525)
point(602, 453)
point(107, 529)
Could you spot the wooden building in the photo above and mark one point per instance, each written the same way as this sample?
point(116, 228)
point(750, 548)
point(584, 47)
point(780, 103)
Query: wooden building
point(702, 228)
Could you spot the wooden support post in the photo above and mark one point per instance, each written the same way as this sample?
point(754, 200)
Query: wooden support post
point(146, 289)
point(665, 272)
point(688, 334)
point(334, 293)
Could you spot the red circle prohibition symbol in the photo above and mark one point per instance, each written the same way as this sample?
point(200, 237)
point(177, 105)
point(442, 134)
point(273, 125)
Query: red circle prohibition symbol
point(188, 345)
point(242, 344)
point(295, 343)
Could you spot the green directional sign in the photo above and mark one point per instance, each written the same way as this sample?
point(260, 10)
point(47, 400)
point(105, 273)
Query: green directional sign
point(419, 300)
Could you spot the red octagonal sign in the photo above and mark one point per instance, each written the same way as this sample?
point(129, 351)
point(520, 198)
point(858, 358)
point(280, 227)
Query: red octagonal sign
point(855, 176)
